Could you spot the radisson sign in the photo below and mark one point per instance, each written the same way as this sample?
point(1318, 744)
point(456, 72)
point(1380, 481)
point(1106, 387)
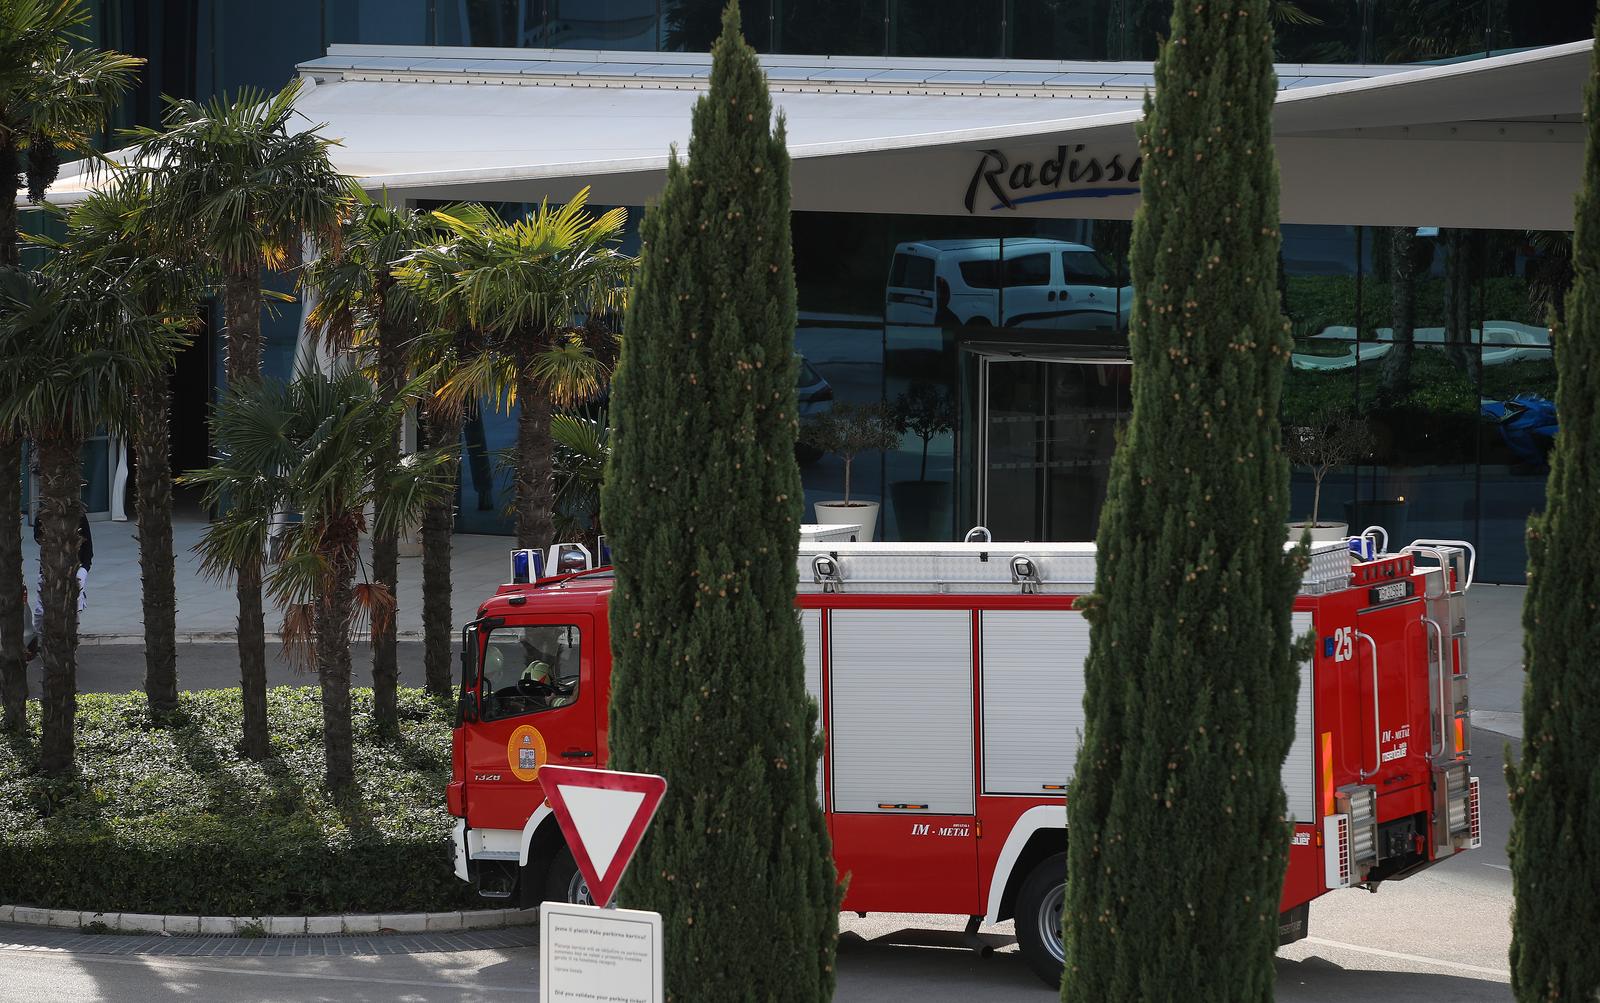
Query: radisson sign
point(1010, 184)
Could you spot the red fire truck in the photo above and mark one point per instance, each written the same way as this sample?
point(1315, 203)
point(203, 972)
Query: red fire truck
point(950, 682)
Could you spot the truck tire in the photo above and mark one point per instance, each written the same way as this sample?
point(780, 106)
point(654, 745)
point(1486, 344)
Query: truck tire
point(1039, 904)
point(563, 883)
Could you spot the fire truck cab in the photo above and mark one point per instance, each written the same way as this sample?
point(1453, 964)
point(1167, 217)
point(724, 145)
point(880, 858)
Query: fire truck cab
point(950, 683)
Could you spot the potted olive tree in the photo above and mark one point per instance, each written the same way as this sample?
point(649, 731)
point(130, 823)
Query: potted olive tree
point(922, 507)
point(847, 430)
point(1332, 437)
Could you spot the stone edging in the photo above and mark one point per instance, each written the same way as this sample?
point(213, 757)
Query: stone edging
point(271, 926)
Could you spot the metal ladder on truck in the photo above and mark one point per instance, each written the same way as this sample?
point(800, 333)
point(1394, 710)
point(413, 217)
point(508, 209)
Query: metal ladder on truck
point(1455, 791)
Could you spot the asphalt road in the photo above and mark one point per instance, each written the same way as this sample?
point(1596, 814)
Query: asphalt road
point(1441, 935)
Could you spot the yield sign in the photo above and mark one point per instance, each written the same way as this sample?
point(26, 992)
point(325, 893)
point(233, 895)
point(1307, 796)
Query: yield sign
point(603, 814)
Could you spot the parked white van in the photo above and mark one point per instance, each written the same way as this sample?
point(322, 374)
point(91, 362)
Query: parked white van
point(1039, 282)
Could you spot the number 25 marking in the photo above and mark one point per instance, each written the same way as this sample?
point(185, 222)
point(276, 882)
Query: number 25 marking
point(1344, 644)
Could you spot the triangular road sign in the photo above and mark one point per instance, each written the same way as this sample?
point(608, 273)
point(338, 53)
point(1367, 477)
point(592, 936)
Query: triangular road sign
point(603, 814)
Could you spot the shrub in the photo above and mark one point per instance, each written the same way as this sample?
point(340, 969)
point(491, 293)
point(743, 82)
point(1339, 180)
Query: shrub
point(174, 820)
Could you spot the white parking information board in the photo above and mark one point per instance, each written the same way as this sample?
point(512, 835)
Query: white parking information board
point(593, 955)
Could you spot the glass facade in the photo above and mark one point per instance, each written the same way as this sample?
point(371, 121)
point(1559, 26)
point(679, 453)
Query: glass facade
point(1012, 332)
point(1023, 324)
point(201, 47)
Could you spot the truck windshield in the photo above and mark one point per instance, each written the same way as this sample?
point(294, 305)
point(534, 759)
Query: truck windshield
point(530, 669)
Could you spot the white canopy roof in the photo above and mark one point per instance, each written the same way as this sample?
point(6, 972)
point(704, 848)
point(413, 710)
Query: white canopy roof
point(1492, 142)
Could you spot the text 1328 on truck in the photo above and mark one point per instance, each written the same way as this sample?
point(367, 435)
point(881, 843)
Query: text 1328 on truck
point(950, 682)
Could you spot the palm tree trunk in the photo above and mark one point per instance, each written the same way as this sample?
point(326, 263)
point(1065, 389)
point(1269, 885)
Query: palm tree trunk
point(1394, 374)
point(13, 674)
point(438, 628)
point(13, 677)
point(386, 544)
point(333, 667)
point(10, 168)
point(60, 509)
point(1460, 283)
point(156, 565)
point(535, 452)
point(242, 319)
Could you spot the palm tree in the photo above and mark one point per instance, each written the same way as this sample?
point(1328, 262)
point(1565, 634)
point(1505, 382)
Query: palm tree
point(54, 100)
point(111, 228)
point(530, 289)
point(583, 444)
point(239, 189)
point(361, 308)
point(74, 342)
point(437, 354)
point(309, 447)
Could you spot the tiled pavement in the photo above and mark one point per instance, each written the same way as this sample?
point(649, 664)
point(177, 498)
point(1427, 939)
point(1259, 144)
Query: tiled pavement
point(32, 938)
point(207, 610)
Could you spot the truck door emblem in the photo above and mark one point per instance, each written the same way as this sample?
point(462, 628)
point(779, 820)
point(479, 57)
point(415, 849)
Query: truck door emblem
point(526, 752)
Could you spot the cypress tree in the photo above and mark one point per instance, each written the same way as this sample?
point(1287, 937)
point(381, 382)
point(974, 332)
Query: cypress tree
point(1191, 676)
point(703, 503)
point(1555, 792)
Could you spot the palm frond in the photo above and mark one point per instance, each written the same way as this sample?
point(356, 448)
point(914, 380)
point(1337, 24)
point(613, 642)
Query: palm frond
point(299, 634)
point(374, 608)
point(236, 182)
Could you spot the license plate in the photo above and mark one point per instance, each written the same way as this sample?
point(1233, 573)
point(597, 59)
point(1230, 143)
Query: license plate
point(1390, 592)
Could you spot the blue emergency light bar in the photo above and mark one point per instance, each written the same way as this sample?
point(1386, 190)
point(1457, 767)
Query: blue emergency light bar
point(527, 566)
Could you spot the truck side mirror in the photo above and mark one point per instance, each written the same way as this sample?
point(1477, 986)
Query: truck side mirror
point(466, 702)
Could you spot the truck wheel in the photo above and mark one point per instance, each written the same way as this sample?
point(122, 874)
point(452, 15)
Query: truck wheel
point(563, 883)
point(1039, 904)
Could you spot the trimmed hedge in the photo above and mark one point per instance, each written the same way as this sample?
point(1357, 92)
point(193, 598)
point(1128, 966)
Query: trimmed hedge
point(173, 820)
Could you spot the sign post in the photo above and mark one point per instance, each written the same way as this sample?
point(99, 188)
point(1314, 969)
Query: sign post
point(598, 952)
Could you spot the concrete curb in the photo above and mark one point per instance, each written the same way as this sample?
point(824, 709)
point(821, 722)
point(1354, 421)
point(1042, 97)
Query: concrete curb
point(271, 926)
point(1501, 722)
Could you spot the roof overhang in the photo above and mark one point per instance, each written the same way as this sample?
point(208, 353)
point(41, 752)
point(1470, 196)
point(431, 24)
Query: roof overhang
point(1494, 142)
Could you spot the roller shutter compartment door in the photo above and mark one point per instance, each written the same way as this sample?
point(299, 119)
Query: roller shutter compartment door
point(1032, 699)
point(901, 684)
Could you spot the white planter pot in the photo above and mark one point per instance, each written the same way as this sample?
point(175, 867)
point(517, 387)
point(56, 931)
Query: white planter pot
point(863, 514)
point(1322, 532)
point(410, 544)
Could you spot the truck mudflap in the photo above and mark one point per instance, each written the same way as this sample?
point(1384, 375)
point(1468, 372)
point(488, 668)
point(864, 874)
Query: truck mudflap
point(1295, 924)
point(458, 840)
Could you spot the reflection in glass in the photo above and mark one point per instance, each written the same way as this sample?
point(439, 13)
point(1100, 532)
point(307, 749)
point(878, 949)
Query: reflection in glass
point(504, 23)
point(485, 490)
point(1413, 32)
point(922, 391)
point(944, 282)
point(1050, 429)
point(847, 361)
point(1426, 443)
point(258, 45)
point(601, 24)
point(1526, 25)
point(1060, 285)
point(97, 473)
point(945, 28)
point(1057, 29)
point(1134, 26)
point(1320, 387)
point(378, 22)
point(830, 27)
point(692, 25)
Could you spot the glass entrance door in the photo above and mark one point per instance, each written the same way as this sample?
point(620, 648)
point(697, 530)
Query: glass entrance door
point(1048, 432)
